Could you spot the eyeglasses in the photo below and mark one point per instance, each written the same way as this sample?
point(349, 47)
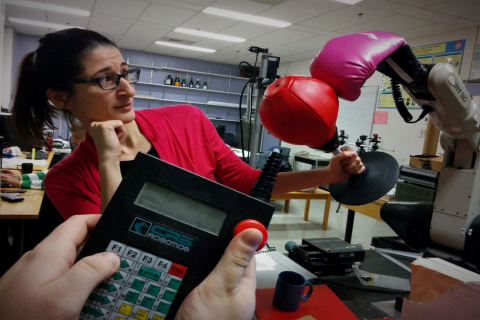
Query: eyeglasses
point(111, 81)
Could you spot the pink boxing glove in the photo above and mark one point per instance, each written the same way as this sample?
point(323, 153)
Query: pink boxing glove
point(346, 62)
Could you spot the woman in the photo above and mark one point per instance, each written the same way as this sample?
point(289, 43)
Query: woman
point(84, 74)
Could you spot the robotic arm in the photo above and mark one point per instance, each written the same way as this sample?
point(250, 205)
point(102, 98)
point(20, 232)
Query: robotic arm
point(449, 227)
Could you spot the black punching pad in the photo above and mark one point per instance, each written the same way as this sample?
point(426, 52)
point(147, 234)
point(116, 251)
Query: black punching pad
point(380, 176)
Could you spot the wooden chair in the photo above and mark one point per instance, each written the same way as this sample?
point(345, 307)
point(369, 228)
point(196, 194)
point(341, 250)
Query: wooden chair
point(319, 194)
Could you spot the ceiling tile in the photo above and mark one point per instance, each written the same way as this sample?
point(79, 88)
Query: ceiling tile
point(242, 6)
point(284, 36)
point(394, 24)
point(399, 8)
point(184, 36)
point(181, 4)
point(64, 18)
point(298, 56)
point(474, 18)
point(314, 44)
point(463, 23)
point(129, 9)
point(346, 17)
point(143, 32)
point(427, 31)
point(295, 11)
point(32, 30)
point(108, 26)
point(208, 22)
point(154, 48)
point(200, 2)
point(84, 4)
point(133, 44)
point(214, 44)
point(418, 3)
point(182, 53)
point(315, 30)
point(216, 57)
point(248, 30)
point(459, 8)
point(12, 11)
point(166, 15)
point(131, 21)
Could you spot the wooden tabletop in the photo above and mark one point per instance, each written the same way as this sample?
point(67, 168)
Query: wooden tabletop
point(318, 194)
point(371, 209)
point(30, 207)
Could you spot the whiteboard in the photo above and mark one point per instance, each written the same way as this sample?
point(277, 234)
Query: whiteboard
point(356, 118)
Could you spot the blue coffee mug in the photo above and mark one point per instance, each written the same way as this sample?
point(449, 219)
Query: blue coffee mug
point(289, 291)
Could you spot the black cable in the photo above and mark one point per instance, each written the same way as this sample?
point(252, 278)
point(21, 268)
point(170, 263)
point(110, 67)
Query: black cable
point(315, 280)
point(400, 105)
point(240, 119)
point(251, 104)
point(243, 70)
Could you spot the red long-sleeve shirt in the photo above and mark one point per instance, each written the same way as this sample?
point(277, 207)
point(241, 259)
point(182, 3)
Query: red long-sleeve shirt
point(182, 135)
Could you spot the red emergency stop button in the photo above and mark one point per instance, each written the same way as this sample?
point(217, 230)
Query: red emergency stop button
point(250, 223)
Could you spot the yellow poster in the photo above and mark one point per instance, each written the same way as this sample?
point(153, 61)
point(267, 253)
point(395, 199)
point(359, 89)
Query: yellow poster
point(446, 52)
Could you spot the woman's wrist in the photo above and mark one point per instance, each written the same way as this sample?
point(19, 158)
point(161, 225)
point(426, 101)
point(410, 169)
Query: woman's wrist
point(105, 160)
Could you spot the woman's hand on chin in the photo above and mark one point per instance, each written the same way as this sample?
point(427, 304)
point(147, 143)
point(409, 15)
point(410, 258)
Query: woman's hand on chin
point(106, 136)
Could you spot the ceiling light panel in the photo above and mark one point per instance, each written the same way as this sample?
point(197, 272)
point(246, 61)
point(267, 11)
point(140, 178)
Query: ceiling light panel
point(247, 17)
point(182, 46)
point(209, 35)
point(41, 24)
point(48, 7)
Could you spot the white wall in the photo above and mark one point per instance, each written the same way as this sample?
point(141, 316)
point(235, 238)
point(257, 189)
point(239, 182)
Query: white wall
point(397, 135)
point(8, 35)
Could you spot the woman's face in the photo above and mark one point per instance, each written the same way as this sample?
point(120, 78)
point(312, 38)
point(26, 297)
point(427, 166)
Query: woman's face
point(89, 102)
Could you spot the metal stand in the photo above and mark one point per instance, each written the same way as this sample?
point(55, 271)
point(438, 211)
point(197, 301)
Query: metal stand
point(257, 126)
point(349, 228)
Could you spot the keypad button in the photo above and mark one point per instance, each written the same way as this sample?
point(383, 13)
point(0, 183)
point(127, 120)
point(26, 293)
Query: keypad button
point(132, 253)
point(116, 247)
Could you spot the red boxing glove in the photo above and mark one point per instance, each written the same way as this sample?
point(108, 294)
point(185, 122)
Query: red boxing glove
point(346, 62)
point(300, 110)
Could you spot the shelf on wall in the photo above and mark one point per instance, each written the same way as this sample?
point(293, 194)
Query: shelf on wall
point(211, 103)
point(228, 120)
point(187, 71)
point(187, 88)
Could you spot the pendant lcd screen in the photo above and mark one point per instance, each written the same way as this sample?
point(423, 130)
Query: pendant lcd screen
point(181, 208)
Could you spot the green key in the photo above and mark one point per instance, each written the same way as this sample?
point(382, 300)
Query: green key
point(153, 290)
point(169, 295)
point(149, 273)
point(131, 296)
point(124, 264)
point(174, 284)
point(138, 284)
point(163, 307)
point(147, 302)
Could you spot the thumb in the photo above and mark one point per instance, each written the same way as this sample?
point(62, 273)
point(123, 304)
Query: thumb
point(231, 268)
point(87, 273)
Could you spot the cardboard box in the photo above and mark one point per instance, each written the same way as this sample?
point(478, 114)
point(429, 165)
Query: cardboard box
point(427, 162)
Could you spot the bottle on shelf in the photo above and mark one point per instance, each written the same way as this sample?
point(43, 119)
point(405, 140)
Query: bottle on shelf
point(177, 81)
point(169, 80)
point(205, 87)
point(190, 85)
point(184, 83)
point(197, 84)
